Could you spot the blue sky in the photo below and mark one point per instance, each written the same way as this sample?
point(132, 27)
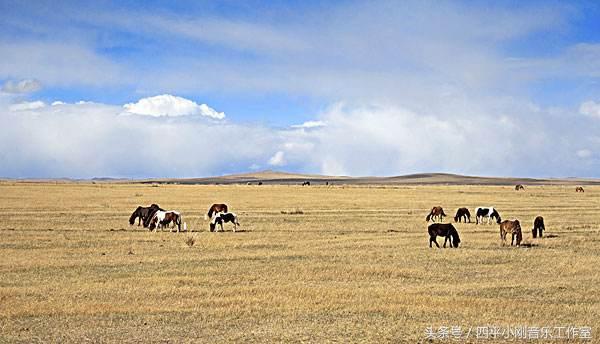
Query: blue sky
point(342, 87)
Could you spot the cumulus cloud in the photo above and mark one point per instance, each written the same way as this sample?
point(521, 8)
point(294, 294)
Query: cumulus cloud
point(93, 139)
point(168, 105)
point(278, 159)
point(23, 86)
point(590, 108)
point(584, 153)
point(24, 106)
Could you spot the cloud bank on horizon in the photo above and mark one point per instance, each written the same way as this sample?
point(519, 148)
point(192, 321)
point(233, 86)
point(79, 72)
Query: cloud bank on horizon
point(349, 88)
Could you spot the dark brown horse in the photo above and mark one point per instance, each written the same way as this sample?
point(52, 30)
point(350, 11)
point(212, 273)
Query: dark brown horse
point(462, 214)
point(143, 214)
point(538, 227)
point(512, 227)
point(215, 209)
point(579, 189)
point(436, 212)
point(519, 187)
point(446, 230)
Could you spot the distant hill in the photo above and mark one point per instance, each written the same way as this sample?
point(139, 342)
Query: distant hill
point(276, 177)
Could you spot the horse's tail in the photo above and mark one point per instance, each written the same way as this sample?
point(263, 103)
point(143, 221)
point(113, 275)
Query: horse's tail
point(428, 217)
point(443, 214)
point(209, 214)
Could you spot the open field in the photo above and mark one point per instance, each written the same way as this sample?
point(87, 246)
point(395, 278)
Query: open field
point(353, 265)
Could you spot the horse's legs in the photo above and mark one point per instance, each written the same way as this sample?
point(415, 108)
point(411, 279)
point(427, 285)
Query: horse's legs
point(432, 240)
point(446, 240)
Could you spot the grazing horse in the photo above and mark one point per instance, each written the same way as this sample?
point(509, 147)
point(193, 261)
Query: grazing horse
point(446, 230)
point(519, 187)
point(579, 189)
point(143, 214)
point(538, 227)
point(462, 214)
point(221, 218)
point(162, 219)
point(513, 227)
point(489, 212)
point(306, 183)
point(436, 212)
point(214, 209)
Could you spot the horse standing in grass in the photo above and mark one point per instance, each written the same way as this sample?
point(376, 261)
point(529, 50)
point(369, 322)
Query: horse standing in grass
point(436, 212)
point(214, 209)
point(579, 189)
point(519, 187)
point(143, 214)
point(221, 218)
point(538, 227)
point(462, 214)
point(481, 213)
point(162, 219)
point(512, 227)
point(446, 230)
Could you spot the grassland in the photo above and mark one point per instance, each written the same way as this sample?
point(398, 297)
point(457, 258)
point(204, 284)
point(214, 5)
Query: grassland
point(312, 264)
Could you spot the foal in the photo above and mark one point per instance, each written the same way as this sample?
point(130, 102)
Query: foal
point(221, 218)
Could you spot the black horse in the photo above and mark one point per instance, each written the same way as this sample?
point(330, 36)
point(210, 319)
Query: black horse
point(538, 227)
point(144, 214)
point(462, 214)
point(446, 230)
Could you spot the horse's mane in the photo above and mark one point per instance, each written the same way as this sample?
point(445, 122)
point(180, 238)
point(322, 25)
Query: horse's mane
point(455, 237)
point(134, 215)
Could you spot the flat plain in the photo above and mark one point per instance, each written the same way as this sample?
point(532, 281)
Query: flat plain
point(309, 264)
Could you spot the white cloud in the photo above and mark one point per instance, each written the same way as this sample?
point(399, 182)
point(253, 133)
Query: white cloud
point(168, 105)
point(24, 106)
point(58, 102)
point(584, 153)
point(590, 108)
point(277, 159)
point(23, 86)
point(309, 124)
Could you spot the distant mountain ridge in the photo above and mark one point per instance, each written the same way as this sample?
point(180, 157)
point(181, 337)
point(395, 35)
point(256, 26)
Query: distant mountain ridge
point(278, 177)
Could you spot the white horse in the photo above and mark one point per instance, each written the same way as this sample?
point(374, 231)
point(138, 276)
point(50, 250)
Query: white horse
point(162, 219)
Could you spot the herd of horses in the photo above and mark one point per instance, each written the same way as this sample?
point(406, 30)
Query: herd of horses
point(155, 218)
point(449, 232)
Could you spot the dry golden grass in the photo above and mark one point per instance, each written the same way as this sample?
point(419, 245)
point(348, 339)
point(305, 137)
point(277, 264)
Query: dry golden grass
point(353, 266)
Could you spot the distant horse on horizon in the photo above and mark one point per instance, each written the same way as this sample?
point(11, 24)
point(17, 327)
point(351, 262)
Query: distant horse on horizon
point(579, 189)
point(519, 187)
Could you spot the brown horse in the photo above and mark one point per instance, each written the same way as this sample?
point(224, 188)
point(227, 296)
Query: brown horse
point(538, 227)
point(579, 189)
point(215, 209)
point(462, 214)
point(513, 227)
point(446, 230)
point(519, 187)
point(436, 212)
